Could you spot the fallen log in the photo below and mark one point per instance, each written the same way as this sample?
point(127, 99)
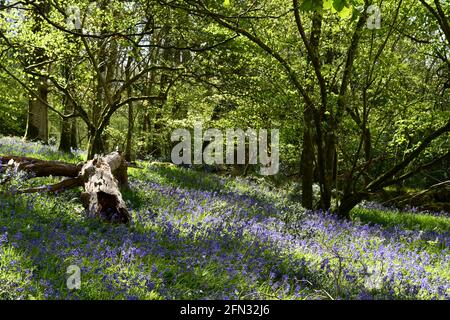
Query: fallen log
point(102, 196)
point(60, 186)
point(101, 178)
point(41, 168)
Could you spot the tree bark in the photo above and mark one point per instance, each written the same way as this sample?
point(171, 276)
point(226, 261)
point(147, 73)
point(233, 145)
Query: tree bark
point(348, 203)
point(101, 177)
point(67, 139)
point(37, 120)
point(329, 162)
point(41, 168)
point(129, 90)
point(95, 144)
point(128, 148)
point(37, 123)
point(307, 164)
point(102, 197)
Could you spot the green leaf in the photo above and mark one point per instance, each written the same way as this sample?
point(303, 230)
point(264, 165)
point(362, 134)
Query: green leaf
point(339, 5)
point(310, 5)
point(226, 3)
point(328, 4)
point(346, 12)
point(306, 5)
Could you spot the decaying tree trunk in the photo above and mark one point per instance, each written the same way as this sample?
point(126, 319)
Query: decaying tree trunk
point(42, 168)
point(101, 177)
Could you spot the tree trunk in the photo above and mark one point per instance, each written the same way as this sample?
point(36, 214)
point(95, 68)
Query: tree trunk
point(367, 151)
point(37, 120)
point(95, 145)
point(67, 139)
point(330, 154)
point(128, 148)
point(307, 166)
point(102, 197)
point(348, 203)
point(37, 123)
point(74, 134)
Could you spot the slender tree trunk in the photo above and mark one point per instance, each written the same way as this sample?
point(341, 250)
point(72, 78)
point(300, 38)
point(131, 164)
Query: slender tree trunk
point(307, 164)
point(96, 143)
point(157, 146)
point(66, 139)
point(74, 134)
point(129, 132)
point(367, 151)
point(128, 147)
point(330, 154)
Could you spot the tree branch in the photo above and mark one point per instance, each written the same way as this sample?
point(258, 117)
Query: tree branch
point(292, 76)
point(384, 178)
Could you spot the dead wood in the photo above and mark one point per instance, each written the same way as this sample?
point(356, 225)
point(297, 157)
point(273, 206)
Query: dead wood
point(41, 168)
point(101, 177)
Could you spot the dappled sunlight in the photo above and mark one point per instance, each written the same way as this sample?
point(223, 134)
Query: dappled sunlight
point(195, 243)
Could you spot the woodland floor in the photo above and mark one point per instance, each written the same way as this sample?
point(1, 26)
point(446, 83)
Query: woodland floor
point(197, 235)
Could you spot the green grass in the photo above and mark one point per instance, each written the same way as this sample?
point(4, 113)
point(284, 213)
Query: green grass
point(411, 221)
